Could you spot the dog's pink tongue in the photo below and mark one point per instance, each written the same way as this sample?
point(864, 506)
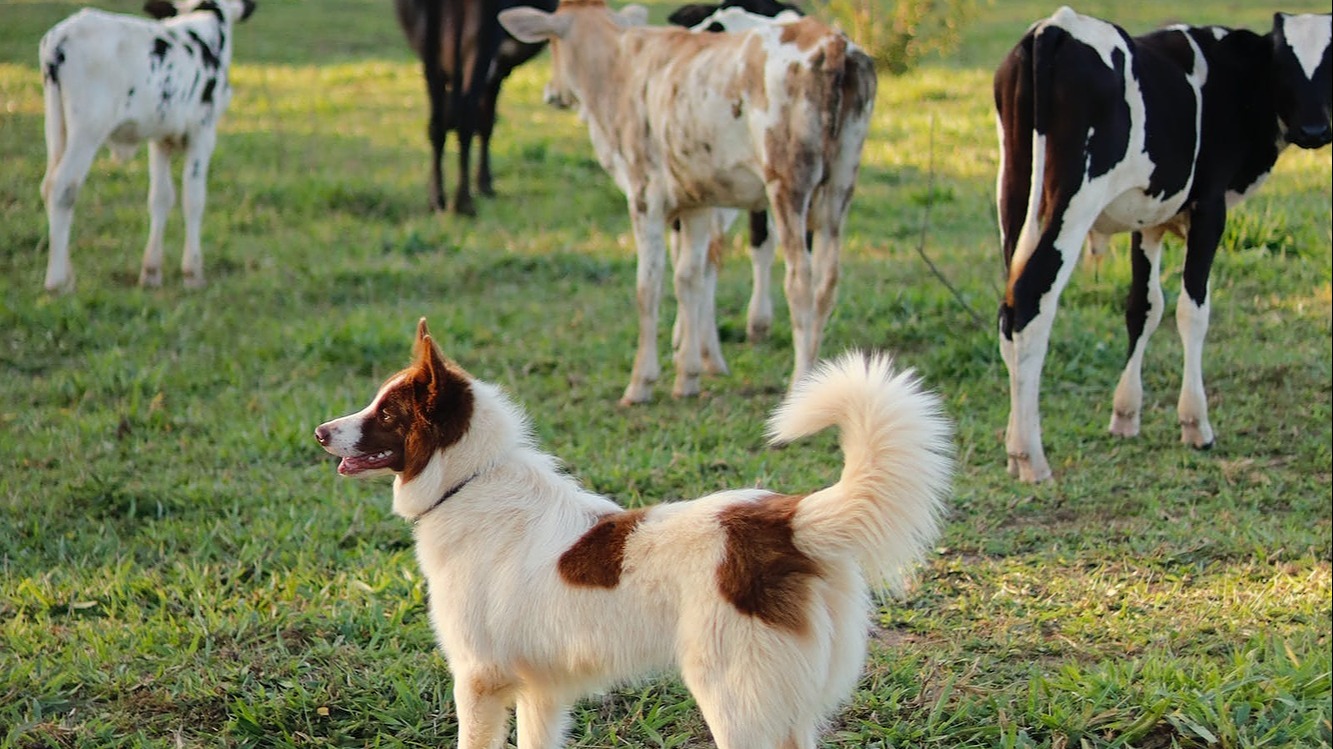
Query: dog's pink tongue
point(349, 467)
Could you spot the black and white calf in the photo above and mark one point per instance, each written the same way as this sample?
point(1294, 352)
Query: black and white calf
point(121, 80)
point(1102, 133)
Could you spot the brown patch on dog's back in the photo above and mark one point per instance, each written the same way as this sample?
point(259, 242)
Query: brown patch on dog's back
point(762, 573)
point(598, 557)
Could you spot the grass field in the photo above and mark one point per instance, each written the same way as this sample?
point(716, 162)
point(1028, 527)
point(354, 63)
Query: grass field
point(181, 565)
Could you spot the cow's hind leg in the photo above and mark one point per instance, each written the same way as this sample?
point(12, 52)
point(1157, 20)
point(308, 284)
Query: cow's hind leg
point(710, 342)
point(1143, 313)
point(161, 198)
point(194, 192)
point(789, 217)
point(691, 269)
point(463, 203)
point(61, 190)
point(486, 126)
point(759, 317)
point(1207, 221)
point(1036, 280)
point(650, 242)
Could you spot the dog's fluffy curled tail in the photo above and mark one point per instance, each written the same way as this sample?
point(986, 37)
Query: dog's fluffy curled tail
point(896, 442)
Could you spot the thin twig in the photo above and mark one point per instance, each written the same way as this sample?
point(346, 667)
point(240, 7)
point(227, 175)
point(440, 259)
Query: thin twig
point(925, 226)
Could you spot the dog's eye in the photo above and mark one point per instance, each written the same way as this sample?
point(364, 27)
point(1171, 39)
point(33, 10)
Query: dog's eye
point(386, 418)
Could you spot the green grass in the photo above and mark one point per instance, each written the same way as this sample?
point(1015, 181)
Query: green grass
point(181, 565)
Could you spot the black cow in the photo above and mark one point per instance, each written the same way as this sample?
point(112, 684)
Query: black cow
point(465, 56)
point(1104, 133)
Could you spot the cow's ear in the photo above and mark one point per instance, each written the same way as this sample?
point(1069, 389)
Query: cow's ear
point(532, 26)
point(632, 15)
point(247, 9)
point(159, 9)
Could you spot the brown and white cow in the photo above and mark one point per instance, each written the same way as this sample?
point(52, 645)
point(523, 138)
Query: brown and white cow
point(1103, 133)
point(774, 118)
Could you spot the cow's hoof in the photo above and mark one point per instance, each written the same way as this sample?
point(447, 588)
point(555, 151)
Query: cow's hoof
point(716, 365)
point(1029, 469)
point(757, 331)
point(194, 281)
point(150, 278)
point(636, 394)
point(687, 386)
point(1125, 424)
point(60, 285)
point(1196, 434)
point(464, 206)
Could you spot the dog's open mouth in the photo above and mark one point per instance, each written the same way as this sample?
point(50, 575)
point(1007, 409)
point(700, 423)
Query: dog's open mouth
point(354, 464)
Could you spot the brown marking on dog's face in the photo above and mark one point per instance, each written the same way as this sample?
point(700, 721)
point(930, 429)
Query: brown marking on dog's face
point(762, 573)
point(598, 557)
point(421, 410)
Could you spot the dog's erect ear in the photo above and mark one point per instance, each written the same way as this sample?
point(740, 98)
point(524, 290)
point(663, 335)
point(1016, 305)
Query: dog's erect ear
point(430, 359)
point(422, 334)
point(448, 393)
point(159, 9)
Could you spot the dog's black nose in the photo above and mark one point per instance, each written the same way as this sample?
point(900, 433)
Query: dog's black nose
point(322, 434)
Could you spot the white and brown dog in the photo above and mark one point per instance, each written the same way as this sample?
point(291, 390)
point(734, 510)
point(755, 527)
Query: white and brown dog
point(542, 592)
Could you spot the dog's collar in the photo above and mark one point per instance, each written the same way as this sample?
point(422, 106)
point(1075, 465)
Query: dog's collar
point(445, 497)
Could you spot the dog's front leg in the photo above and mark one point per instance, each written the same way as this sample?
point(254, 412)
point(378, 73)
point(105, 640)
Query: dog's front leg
point(542, 720)
point(483, 713)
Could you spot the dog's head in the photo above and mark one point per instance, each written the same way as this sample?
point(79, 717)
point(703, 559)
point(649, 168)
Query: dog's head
point(416, 413)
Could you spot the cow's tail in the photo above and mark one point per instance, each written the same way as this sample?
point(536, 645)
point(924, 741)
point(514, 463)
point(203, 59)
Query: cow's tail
point(1025, 112)
point(51, 57)
point(884, 511)
point(849, 105)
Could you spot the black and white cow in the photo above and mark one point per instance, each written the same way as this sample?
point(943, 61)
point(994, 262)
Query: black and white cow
point(693, 15)
point(1102, 133)
point(121, 80)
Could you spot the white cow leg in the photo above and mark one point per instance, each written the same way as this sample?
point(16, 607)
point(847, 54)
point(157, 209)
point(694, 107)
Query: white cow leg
point(1207, 221)
point(759, 319)
point(690, 270)
point(1027, 459)
point(789, 219)
point(161, 197)
point(1143, 313)
point(61, 190)
point(713, 361)
point(194, 184)
point(650, 240)
point(1037, 277)
point(1192, 322)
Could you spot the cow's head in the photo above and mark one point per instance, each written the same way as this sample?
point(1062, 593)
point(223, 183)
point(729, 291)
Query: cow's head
point(226, 10)
point(565, 29)
point(1302, 85)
